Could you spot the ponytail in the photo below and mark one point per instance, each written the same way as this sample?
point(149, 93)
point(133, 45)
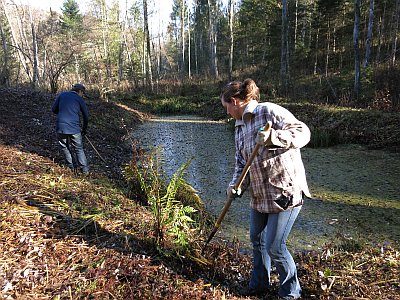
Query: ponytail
point(244, 91)
point(251, 90)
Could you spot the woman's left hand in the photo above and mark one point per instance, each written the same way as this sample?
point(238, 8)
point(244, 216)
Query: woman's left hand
point(263, 138)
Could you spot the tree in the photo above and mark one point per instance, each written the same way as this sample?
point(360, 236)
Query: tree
point(231, 16)
point(396, 29)
point(201, 40)
point(5, 59)
point(256, 38)
point(381, 30)
point(147, 57)
point(71, 19)
point(15, 42)
point(357, 71)
point(57, 57)
point(369, 34)
point(180, 21)
point(35, 67)
point(282, 44)
point(212, 34)
point(71, 26)
point(189, 48)
point(285, 47)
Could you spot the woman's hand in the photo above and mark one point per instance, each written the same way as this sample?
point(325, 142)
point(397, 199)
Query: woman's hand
point(263, 138)
point(232, 193)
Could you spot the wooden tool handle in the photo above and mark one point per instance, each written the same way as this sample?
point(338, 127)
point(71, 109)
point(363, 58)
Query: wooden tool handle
point(238, 184)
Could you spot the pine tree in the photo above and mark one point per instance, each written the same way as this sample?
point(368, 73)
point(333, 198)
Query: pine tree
point(71, 19)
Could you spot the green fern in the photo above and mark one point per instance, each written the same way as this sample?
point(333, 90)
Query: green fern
point(171, 216)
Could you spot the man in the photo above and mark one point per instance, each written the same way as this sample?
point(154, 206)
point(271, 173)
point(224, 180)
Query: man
point(68, 106)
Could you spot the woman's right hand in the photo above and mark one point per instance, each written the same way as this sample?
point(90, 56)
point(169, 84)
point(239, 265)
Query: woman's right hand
point(232, 193)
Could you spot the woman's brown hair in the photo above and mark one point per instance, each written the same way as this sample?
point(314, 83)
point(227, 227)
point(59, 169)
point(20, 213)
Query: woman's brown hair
point(244, 91)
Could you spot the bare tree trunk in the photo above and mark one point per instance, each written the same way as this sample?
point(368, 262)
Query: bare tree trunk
point(104, 31)
point(231, 15)
point(316, 52)
point(196, 56)
point(380, 33)
point(5, 71)
point(149, 74)
point(285, 47)
point(158, 55)
point(16, 44)
point(77, 68)
point(144, 61)
point(121, 51)
point(35, 75)
point(213, 37)
point(182, 37)
point(189, 65)
point(357, 73)
point(328, 48)
point(396, 29)
point(334, 40)
point(296, 24)
point(369, 34)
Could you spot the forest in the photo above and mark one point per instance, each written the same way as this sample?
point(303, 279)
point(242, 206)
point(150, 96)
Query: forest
point(125, 230)
point(337, 52)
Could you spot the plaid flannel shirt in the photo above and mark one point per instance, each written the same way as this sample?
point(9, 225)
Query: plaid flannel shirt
point(277, 170)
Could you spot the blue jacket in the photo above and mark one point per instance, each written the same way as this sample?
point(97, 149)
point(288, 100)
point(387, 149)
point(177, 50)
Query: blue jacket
point(68, 106)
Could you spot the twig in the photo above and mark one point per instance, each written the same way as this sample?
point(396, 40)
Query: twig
point(383, 281)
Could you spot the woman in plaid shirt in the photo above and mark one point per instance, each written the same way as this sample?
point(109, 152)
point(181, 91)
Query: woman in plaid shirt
point(276, 179)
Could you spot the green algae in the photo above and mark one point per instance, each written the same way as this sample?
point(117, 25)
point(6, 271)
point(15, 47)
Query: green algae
point(357, 191)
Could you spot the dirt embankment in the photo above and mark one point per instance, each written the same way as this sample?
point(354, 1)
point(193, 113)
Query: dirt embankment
point(28, 124)
point(375, 129)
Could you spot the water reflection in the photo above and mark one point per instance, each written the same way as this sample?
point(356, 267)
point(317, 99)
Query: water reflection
point(205, 142)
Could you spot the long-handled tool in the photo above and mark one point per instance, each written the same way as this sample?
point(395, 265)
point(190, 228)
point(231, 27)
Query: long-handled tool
point(102, 158)
point(237, 188)
point(94, 148)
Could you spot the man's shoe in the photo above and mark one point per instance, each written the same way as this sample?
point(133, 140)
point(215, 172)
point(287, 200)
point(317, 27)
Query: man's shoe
point(247, 291)
point(287, 298)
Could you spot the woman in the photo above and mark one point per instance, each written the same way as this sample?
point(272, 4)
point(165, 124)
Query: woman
point(276, 179)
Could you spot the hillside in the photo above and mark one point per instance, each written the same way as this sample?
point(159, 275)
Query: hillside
point(71, 237)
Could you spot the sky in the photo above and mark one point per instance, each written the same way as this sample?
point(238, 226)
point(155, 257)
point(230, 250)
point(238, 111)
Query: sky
point(162, 8)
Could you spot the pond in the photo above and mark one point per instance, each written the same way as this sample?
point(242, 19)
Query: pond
point(355, 190)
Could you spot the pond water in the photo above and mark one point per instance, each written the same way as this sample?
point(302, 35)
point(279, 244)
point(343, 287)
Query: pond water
point(355, 190)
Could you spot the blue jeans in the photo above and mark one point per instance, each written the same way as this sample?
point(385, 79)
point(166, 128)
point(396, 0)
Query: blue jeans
point(268, 234)
point(72, 148)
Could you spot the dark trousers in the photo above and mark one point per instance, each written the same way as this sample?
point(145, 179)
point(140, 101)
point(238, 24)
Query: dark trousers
point(72, 148)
